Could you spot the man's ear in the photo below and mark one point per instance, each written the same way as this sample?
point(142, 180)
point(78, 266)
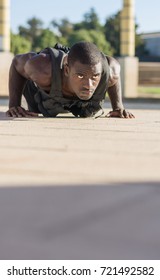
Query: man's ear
point(66, 69)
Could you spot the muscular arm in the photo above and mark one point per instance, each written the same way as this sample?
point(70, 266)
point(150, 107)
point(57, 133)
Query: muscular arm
point(115, 91)
point(26, 66)
point(17, 78)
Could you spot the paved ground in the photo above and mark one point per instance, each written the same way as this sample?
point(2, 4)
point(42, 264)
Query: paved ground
point(81, 188)
point(67, 150)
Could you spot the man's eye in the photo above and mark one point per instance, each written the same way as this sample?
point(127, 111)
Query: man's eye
point(80, 76)
point(95, 77)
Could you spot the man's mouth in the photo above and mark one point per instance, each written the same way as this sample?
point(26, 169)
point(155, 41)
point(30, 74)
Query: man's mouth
point(85, 95)
point(86, 92)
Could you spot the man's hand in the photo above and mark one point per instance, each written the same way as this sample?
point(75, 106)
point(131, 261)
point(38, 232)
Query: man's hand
point(120, 113)
point(20, 112)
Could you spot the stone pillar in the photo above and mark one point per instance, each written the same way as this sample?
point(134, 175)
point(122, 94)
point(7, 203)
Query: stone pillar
point(128, 62)
point(5, 55)
point(127, 25)
point(4, 25)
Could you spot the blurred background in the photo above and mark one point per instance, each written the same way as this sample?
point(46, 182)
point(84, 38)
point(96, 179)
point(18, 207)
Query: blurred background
point(36, 25)
point(96, 21)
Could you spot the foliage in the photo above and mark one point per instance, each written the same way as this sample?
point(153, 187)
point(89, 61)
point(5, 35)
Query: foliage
point(90, 36)
point(90, 21)
point(19, 44)
point(149, 90)
point(63, 27)
point(112, 32)
point(32, 31)
point(107, 37)
point(46, 39)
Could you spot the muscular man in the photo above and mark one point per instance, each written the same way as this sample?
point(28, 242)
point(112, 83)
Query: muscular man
point(54, 81)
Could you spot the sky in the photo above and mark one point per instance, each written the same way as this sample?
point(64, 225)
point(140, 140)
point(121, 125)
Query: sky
point(147, 13)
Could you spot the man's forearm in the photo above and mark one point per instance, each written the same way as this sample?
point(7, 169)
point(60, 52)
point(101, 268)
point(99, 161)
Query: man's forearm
point(115, 95)
point(16, 84)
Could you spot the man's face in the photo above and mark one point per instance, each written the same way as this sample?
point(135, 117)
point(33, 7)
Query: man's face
point(84, 79)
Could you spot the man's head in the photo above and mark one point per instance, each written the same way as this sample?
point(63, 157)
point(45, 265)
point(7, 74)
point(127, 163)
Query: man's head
point(84, 69)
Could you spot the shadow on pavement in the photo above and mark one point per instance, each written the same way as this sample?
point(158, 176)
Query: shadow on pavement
point(116, 221)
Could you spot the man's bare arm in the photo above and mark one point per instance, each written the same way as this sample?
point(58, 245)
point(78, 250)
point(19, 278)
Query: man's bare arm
point(17, 80)
point(32, 66)
point(115, 91)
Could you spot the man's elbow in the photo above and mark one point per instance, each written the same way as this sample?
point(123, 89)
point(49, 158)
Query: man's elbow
point(29, 69)
point(117, 69)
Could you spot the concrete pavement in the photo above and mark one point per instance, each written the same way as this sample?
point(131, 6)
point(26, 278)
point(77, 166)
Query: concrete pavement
point(81, 188)
point(68, 150)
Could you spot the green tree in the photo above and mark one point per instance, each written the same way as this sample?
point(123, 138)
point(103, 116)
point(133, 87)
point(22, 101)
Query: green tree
point(79, 35)
point(46, 39)
point(19, 44)
point(64, 27)
point(32, 31)
point(93, 36)
point(90, 21)
point(112, 32)
point(112, 35)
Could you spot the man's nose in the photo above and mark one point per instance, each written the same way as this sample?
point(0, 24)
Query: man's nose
point(88, 83)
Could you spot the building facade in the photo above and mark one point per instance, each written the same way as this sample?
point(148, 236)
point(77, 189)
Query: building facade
point(152, 43)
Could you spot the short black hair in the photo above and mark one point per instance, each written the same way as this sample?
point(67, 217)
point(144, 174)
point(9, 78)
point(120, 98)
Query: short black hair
point(85, 53)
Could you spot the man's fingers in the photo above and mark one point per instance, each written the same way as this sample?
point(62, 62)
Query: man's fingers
point(20, 112)
point(8, 114)
point(12, 113)
point(15, 113)
point(108, 115)
point(26, 113)
point(131, 116)
point(125, 114)
point(115, 114)
point(32, 114)
point(128, 115)
point(120, 114)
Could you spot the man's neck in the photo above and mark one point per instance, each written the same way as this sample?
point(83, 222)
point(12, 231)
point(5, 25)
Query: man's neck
point(66, 91)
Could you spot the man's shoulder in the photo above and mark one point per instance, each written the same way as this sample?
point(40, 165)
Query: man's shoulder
point(111, 60)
